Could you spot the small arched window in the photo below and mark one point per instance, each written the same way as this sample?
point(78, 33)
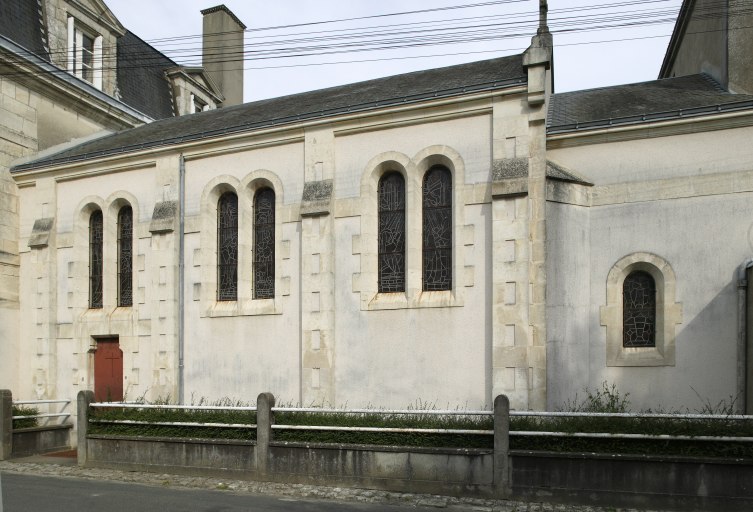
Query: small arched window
point(227, 247)
point(437, 229)
point(391, 200)
point(125, 256)
point(639, 310)
point(264, 244)
point(95, 259)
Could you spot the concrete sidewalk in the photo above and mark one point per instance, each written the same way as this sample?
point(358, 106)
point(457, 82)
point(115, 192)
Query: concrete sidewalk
point(57, 466)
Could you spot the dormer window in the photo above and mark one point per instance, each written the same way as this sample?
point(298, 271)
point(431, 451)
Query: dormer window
point(84, 54)
point(199, 105)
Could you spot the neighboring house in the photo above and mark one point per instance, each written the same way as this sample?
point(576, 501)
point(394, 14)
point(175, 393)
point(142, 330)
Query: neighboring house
point(713, 37)
point(444, 236)
point(70, 71)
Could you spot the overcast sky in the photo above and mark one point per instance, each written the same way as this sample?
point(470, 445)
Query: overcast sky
point(583, 58)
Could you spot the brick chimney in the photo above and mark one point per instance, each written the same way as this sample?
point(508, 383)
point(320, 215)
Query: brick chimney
point(222, 55)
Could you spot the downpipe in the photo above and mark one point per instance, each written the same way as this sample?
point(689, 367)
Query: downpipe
point(181, 274)
point(742, 338)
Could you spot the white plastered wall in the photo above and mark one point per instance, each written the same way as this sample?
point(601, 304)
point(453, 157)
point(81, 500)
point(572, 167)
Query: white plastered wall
point(685, 200)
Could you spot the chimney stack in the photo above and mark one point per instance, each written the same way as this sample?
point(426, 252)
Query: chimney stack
point(222, 55)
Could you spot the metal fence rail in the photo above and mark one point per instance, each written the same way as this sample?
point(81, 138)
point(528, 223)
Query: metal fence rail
point(45, 416)
point(634, 415)
point(402, 430)
point(417, 412)
point(447, 431)
point(175, 423)
point(617, 435)
point(131, 405)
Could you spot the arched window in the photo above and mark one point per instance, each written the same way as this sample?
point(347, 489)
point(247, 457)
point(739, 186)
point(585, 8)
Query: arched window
point(437, 229)
point(125, 256)
point(639, 310)
point(227, 247)
point(264, 244)
point(95, 259)
point(391, 202)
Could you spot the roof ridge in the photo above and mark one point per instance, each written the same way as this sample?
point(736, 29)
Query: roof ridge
point(381, 78)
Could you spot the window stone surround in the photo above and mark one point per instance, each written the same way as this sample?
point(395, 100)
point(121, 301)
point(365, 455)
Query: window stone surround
point(668, 312)
point(245, 305)
point(366, 244)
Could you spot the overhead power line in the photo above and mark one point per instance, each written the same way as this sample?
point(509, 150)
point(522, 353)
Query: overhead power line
point(422, 34)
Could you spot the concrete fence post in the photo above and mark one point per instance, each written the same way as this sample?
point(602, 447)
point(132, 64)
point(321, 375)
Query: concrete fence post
point(85, 398)
point(264, 422)
point(502, 477)
point(6, 424)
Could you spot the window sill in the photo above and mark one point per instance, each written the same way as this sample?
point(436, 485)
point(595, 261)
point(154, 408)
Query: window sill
point(638, 356)
point(417, 300)
point(244, 307)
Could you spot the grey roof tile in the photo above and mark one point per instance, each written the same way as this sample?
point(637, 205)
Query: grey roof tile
point(630, 103)
point(141, 77)
point(362, 96)
point(20, 21)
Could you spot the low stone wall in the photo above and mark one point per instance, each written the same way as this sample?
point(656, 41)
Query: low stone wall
point(188, 456)
point(454, 472)
point(28, 441)
point(587, 479)
point(38, 440)
point(654, 482)
point(420, 470)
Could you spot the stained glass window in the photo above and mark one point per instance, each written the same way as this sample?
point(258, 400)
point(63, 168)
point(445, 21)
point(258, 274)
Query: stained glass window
point(437, 229)
point(227, 247)
point(95, 259)
point(125, 256)
point(639, 310)
point(391, 201)
point(264, 244)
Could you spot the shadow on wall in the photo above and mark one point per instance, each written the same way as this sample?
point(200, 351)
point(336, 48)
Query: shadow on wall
point(567, 356)
point(705, 368)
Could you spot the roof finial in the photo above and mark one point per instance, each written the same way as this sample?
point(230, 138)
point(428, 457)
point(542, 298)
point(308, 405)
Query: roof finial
point(543, 9)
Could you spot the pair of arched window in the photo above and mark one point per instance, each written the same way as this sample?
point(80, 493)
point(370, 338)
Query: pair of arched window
point(436, 230)
point(124, 258)
point(263, 251)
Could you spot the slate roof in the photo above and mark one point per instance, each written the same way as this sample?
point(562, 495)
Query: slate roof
point(21, 22)
point(141, 68)
point(641, 102)
point(402, 89)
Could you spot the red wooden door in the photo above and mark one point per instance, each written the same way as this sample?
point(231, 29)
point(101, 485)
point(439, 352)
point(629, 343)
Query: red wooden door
point(108, 371)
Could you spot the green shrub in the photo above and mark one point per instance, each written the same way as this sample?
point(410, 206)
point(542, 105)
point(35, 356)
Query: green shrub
point(381, 420)
point(19, 410)
point(608, 399)
point(375, 419)
point(177, 416)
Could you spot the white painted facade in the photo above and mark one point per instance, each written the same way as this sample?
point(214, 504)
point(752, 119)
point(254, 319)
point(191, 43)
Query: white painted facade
point(534, 311)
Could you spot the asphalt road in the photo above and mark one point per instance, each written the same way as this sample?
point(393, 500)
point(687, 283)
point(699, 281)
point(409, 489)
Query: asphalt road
point(27, 493)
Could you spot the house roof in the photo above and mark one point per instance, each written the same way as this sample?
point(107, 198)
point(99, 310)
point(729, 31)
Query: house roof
point(21, 22)
point(142, 68)
point(678, 32)
point(141, 79)
point(641, 102)
point(401, 89)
